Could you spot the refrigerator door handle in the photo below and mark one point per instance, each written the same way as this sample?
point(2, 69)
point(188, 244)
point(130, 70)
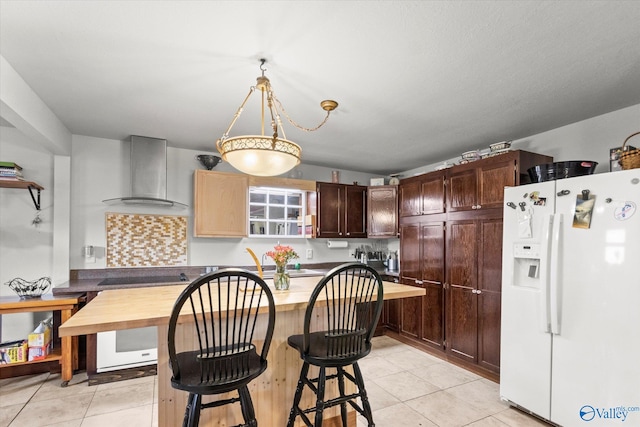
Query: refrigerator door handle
point(545, 261)
point(554, 282)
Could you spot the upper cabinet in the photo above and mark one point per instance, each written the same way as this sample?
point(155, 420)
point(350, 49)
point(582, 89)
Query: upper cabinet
point(422, 195)
point(220, 204)
point(480, 184)
point(382, 211)
point(341, 210)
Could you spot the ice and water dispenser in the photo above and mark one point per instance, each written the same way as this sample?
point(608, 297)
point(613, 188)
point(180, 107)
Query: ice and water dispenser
point(526, 269)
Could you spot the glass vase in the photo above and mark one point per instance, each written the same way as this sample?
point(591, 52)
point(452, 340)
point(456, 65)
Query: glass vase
point(281, 279)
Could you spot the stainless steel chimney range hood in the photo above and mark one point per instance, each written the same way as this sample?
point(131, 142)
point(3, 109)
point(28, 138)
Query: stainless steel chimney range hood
point(148, 174)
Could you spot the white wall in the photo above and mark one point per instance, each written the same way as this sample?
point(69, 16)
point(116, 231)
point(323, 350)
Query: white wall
point(26, 251)
point(100, 170)
point(586, 140)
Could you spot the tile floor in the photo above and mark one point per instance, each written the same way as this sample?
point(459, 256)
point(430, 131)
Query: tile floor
point(406, 387)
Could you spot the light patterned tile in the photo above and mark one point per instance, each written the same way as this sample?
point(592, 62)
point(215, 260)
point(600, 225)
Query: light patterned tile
point(399, 415)
point(383, 346)
point(488, 422)
point(51, 388)
point(515, 418)
point(71, 423)
point(378, 397)
point(148, 380)
point(154, 415)
point(405, 386)
point(409, 359)
point(155, 390)
point(446, 410)
point(482, 394)
point(8, 413)
point(377, 366)
point(120, 398)
point(444, 375)
point(52, 411)
point(20, 389)
point(138, 416)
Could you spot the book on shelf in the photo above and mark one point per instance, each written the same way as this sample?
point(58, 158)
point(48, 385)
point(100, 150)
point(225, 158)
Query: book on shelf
point(10, 165)
point(11, 178)
point(11, 173)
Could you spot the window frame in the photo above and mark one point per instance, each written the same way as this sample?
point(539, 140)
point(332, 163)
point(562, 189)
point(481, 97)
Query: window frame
point(271, 224)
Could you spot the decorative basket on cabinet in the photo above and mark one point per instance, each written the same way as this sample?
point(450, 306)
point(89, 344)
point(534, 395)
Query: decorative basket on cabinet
point(630, 159)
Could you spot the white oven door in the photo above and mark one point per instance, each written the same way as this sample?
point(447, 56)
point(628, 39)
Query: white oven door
point(127, 348)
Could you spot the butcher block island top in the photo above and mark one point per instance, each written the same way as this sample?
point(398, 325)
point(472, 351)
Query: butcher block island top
point(272, 392)
point(151, 306)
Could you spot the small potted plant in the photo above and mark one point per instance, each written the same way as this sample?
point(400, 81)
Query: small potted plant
point(281, 255)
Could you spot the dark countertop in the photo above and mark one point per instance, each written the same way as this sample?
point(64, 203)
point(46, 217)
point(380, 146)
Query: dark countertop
point(83, 281)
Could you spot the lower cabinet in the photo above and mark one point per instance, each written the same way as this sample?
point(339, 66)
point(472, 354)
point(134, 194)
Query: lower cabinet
point(459, 264)
point(473, 291)
point(423, 251)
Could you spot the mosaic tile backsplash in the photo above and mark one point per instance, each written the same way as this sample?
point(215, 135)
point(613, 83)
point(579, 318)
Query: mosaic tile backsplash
point(146, 240)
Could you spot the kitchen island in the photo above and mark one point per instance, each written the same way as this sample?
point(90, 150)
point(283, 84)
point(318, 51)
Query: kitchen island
point(272, 392)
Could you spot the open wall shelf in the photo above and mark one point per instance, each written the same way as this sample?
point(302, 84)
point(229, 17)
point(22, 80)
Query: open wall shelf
point(29, 185)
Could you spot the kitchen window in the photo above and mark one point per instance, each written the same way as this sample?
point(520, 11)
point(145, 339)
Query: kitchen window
point(275, 212)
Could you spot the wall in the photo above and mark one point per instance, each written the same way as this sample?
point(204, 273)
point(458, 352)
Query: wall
point(26, 251)
point(589, 139)
point(100, 170)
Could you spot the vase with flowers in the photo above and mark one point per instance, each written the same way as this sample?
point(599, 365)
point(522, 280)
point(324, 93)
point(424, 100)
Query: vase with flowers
point(281, 255)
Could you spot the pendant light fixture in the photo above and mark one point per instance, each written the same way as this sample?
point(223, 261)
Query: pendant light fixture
point(262, 155)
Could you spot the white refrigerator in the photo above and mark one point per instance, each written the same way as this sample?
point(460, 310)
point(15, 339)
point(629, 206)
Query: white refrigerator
point(570, 325)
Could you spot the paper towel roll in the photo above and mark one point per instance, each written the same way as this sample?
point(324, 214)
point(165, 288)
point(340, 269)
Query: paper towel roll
point(335, 244)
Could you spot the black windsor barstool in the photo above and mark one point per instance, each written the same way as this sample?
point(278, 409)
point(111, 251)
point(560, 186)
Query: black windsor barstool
point(234, 314)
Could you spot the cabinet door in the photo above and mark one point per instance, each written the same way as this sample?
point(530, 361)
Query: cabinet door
point(382, 207)
point(392, 314)
point(330, 209)
point(410, 323)
point(220, 204)
point(432, 190)
point(489, 293)
point(410, 273)
point(409, 198)
point(433, 281)
point(491, 182)
point(410, 265)
point(355, 211)
point(462, 312)
point(462, 191)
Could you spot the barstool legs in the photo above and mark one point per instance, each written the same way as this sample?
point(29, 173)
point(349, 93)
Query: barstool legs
point(192, 411)
point(322, 378)
point(246, 404)
point(366, 407)
point(343, 406)
point(296, 399)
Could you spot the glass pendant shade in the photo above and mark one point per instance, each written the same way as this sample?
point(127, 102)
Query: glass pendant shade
point(257, 155)
point(262, 155)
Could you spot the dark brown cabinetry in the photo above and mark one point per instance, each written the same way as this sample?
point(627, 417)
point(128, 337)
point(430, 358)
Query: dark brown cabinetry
point(341, 210)
point(422, 248)
point(382, 211)
point(474, 265)
point(422, 195)
point(451, 245)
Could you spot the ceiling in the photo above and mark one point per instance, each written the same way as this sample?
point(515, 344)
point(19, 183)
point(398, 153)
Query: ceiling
point(418, 82)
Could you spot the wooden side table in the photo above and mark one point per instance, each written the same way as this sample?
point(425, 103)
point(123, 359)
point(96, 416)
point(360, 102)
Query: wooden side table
point(67, 305)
